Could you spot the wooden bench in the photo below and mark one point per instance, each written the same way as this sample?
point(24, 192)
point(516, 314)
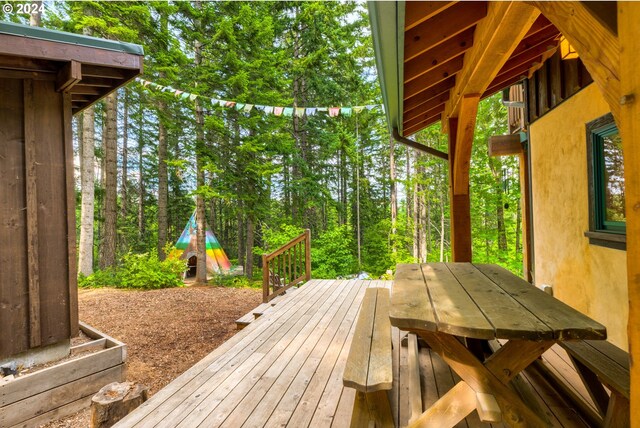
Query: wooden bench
point(369, 364)
point(601, 363)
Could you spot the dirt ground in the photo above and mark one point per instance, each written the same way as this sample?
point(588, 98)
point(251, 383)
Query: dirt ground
point(166, 331)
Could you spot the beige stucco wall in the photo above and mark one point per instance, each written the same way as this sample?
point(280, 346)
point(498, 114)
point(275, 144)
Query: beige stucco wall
point(590, 278)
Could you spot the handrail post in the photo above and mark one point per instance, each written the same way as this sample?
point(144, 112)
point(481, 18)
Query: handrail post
point(265, 279)
point(307, 250)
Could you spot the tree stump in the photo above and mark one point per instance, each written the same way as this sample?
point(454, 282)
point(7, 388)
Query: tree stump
point(115, 401)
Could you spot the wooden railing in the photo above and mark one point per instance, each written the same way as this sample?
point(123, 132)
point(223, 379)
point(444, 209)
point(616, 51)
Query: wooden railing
point(287, 266)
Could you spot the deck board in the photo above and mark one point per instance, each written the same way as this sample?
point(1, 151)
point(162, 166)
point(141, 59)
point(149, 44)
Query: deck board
point(285, 369)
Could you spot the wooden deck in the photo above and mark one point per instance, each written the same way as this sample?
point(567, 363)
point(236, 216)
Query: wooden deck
point(285, 369)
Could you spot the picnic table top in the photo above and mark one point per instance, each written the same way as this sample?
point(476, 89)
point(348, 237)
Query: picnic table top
point(482, 301)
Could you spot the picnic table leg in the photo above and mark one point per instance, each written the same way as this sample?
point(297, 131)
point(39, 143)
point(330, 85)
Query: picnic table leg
point(492, 378)
point(617, 412)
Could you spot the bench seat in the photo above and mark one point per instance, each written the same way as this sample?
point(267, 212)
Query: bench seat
point(601, 363)
point(369, 367)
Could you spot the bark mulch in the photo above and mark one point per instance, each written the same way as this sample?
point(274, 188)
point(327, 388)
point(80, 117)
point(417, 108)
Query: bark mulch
point(166, 331)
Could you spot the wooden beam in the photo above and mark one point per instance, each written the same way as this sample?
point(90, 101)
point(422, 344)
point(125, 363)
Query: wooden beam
point(505, 145)
point(422, 125)
point(543, 36)
point(528, 56)
point(23, 74)
point(416, 12)
point(432, 103)
point(424, 116)
point(501, 85)
point(433, 92)
point(97, 71)
point(542, 23)
point(464, 141)
point(597, 46)
point(86, 90)
point(495, 39)
point(12, 62)
point(436, 75)
point(56, 51)
point(450, 22)
point(31, 190)
point(629, 125)
point(460, 207)
point(98, 82)
point(418, 146)
point(438, 55)
point(68, 76)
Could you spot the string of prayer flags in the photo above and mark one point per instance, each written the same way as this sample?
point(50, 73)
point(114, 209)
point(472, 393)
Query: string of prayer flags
point(247, 108)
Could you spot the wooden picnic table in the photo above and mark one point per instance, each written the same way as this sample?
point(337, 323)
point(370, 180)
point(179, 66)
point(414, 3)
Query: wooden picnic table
point(443, 302)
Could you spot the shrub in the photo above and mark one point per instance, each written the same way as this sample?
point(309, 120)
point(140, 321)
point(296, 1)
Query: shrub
point(143, 271)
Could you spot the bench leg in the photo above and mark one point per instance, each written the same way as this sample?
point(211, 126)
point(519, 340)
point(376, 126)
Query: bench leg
point(360, 415)
point(618, 412)
point(372, 410)
point(380, 409)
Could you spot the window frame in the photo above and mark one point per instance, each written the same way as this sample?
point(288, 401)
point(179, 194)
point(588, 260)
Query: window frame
point(601, 232)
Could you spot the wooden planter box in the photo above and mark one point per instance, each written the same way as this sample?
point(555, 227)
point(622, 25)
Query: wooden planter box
point(65, 388)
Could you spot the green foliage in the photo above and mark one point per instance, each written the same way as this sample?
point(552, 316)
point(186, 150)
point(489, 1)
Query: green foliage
point(237, 281)
point(332, 253)
point(274, 238)
point(143, 271)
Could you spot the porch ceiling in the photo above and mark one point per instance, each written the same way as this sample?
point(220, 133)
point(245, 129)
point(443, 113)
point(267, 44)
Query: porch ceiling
point(420, 72)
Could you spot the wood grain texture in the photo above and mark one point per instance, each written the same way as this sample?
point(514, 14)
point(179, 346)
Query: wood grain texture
point(410, 307)
point(510, 319)
point(598, 47)
point(455, 310)
point(496, 37)
point(450, 22)
point(629, 37)
point(31, 190)
point(357, 368)
point(380, 376)
point(565, 322)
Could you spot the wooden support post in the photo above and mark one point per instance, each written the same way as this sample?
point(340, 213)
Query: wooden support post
point(265, 279)
point(30, 123)
point(525, 209)
point(460, 208)
point(629, 37)
point(307, 254)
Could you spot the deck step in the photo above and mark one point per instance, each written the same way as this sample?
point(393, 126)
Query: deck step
point(259, 310)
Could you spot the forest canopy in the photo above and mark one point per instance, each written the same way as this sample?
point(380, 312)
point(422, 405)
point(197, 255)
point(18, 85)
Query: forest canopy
point(147, 157)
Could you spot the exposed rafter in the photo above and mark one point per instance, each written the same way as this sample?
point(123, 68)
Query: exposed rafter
point(496, 37)
point(450, 22)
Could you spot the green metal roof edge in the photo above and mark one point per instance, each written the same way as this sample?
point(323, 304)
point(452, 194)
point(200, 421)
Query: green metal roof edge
point(387, 30)
point(69, 38)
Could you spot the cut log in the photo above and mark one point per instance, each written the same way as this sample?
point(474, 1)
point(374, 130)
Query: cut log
point(115, 401)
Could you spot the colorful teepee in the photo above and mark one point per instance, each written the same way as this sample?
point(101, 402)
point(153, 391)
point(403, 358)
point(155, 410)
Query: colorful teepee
point(186, 249)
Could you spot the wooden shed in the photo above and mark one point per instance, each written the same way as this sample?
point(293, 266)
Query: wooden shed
point(45, 77)
point(575, 64)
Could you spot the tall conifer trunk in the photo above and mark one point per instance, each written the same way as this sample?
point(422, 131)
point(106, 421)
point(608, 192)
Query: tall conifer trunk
point(85, 246)
point(201, 269)
point(163, 182)
point(108, 241)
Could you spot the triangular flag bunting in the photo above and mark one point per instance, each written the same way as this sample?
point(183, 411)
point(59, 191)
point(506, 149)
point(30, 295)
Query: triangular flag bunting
point(357, 109)
point(193, 97)
point(239, 106)
point(334, 111)
point(268, 109)
point(288, 111)
point(299, 111)
point(345, 111)
point(278, 110)
point(248, 107)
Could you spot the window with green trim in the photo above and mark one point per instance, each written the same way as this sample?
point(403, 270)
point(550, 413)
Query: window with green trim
point(606, 181)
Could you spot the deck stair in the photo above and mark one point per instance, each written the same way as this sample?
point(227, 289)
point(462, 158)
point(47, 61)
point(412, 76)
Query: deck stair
point(259, 310)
